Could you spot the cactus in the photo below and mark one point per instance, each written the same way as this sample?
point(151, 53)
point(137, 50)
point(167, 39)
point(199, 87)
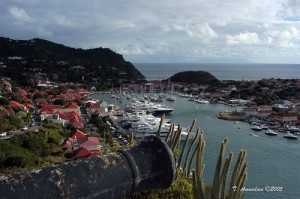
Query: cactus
point(170, 133)
point(160, 124)
point(177, 138)
point(188, 152)
point(183, 149)
point(217, 180)
point(200, 167)
point(237, 174)
point(218, 188)
point(224, 175)
point(185, 143)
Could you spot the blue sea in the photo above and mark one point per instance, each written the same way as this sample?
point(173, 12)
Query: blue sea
point(160, 71)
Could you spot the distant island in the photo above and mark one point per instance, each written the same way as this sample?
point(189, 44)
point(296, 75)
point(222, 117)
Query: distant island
point(196, 77)
point(28, 61)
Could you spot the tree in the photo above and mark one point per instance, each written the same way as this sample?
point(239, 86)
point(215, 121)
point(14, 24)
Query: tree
point(59, 102)
point(4, 101)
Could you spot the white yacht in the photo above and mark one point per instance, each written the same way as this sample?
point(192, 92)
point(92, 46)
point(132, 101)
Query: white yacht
point(171, 99)
point(256, 128)
point(270, 132)
point(289, 135)
point(149, 108)
point(201, 101)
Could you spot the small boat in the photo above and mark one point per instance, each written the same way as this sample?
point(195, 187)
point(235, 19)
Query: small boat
point(171, 99)
point(264, 127)
point(270, 132)
point(289, 135)
point(256, 128)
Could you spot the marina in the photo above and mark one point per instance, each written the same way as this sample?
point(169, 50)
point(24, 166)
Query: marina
point(260, 146)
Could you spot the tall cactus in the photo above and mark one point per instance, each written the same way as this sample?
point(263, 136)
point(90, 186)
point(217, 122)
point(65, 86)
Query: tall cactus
point(183, 149)
point(218, 189)
point(185, 143)
point(237, 176)
point(170, 133)
point(224, 175)
point(217, 179)
point(188, 152)
point(200, 167)
point(160, 125)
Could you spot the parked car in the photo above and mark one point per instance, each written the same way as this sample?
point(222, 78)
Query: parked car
point(3, 134)
point(24, 128)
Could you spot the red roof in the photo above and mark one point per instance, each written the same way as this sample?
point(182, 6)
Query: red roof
point(68, 143)
point(92, 105)
point(23, 92)
point(61, 115)
point(83, 152)
point(88, 141)
point(15, 104)
point(25, 99)
point(46, 110)
point(72, 96)
point(78, 134)
point(76, 123)
point(51, 106)
point(28, 105)
point(72, 105)
point(7, 112)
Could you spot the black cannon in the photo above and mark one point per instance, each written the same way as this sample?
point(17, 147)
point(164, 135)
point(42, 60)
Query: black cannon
point(149, 165)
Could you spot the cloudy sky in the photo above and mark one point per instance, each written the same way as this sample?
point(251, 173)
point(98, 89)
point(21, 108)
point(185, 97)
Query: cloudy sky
point(262, 31)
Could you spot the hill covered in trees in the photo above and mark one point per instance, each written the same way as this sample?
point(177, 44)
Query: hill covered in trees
point(197, 77)
point(47, 60)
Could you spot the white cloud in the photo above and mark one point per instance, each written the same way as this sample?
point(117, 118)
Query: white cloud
point(178, 30)
point(64, 21)
point(243, 38)
point(201, 31)
point(19, 14)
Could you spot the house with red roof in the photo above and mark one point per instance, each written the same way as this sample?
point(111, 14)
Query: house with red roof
point(92, 107)
point(69, 107)
point(85, 146)
point(6, 112)
point(71, 96)
point(85, 153)
point(15, 104)
point(78, 134)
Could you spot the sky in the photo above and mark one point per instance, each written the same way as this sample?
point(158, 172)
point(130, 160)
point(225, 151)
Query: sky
point(258, 31)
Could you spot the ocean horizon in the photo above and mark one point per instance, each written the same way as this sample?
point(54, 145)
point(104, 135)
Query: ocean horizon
point(222, 71)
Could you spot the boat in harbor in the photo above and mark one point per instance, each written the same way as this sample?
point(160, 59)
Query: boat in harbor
point(153, 108)
point(201, 101)
point(171, 99)
point(270, 132)
point(289, 135)
point(256, 128)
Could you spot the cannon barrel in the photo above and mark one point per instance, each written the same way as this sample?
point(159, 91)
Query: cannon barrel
point(149, 165)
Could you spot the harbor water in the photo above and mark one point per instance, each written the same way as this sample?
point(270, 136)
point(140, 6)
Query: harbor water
point(273, 160)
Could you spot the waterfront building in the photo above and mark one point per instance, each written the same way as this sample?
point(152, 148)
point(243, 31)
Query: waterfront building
point(285, 118)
